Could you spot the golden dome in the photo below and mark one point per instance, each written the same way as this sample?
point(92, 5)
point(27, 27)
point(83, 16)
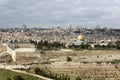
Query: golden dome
point(80, 37)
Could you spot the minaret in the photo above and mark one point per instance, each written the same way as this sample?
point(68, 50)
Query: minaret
point(0, 38)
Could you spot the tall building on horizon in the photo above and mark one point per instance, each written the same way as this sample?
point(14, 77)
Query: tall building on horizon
point(23, 28)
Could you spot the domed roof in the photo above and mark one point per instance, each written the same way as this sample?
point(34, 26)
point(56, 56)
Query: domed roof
point(80, 37)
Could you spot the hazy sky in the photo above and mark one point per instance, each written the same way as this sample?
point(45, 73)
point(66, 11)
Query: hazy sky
point(35, 13)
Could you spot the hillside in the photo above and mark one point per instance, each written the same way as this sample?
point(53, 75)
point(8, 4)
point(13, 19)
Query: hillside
point(4, 74)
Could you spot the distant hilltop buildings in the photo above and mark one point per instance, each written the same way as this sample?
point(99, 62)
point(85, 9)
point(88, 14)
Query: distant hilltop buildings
point(68, 35)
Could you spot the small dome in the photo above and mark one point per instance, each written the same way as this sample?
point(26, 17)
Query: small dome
point(80, 37)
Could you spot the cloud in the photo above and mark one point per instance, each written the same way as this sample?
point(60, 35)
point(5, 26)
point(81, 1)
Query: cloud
point(49, 12)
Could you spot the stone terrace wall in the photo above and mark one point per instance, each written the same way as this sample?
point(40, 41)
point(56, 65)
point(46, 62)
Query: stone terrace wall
point(22, 57)
point(78, 53)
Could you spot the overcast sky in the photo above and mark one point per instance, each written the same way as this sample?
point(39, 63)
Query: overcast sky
point(35, 13)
